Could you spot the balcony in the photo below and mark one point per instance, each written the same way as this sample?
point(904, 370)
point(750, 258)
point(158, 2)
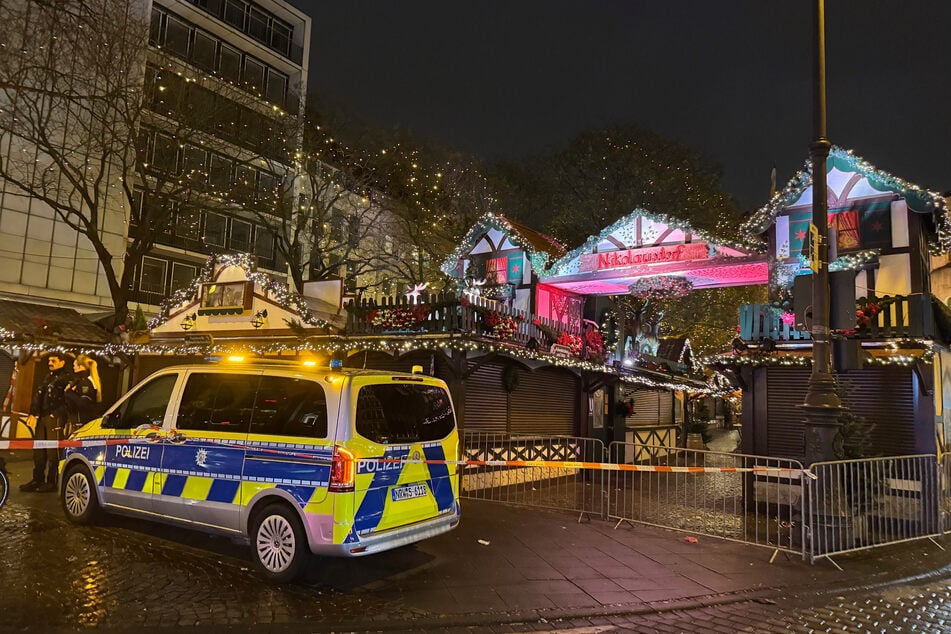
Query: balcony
point(877, 318)
point(472, 317)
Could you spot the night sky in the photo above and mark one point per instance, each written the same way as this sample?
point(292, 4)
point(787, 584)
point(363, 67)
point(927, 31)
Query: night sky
point(507, 78)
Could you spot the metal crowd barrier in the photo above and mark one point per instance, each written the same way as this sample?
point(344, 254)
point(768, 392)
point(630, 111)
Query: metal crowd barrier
point(944, 502)
point(832, 508)
point(577, 490)
point(751, 499)
point(860, 504)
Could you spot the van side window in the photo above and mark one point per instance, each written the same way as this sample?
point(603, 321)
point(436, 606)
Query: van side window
point(218, 402)
point(290, 407)
point(401, 414)
point(146, 407)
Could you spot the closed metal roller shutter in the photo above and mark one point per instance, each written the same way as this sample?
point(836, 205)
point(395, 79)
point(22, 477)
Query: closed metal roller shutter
point(786, 390)
point(545, 403)
point(485, 401)
point(884, 396)
point(651, 407)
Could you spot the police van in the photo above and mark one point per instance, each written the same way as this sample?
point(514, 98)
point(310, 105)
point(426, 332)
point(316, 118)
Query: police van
point(292, 458)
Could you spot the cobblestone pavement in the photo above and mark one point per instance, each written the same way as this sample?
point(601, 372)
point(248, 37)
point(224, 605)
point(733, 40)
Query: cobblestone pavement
point(924, 606)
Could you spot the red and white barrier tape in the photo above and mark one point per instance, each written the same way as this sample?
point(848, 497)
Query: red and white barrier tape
point(608, 466)
point(545, 464)
point(61, 444)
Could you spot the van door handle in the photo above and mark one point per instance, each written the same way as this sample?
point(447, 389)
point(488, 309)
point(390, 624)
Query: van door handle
point(151, 433)
point(176, 437)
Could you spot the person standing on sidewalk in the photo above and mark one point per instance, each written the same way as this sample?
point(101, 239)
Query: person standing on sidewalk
point(83, 394)
point(48, 413)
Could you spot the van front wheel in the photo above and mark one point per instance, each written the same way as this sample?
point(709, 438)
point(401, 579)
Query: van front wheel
point(78, 496)
point(279, 544)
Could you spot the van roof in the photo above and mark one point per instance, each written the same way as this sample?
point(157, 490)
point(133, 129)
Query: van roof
point(261, 364)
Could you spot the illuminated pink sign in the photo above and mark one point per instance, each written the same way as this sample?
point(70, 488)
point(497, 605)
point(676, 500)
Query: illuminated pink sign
point(647, 255)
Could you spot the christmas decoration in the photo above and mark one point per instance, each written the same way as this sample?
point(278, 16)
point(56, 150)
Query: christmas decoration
point(918, 199)
point(572, 342)
point(398, 318)
point(540, 260)
point(661, 287)
point(280, 291)
point(567, 264)
point(502, 326)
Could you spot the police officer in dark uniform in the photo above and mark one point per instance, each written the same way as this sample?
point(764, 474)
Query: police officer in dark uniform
point(48, 413)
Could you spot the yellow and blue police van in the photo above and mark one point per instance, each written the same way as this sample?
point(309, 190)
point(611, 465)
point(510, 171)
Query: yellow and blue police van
point(292, 458)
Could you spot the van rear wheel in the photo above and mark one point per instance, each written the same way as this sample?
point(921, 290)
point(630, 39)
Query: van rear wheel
point(279, 544)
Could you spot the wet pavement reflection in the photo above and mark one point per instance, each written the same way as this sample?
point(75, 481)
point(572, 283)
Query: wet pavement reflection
point(125, 573)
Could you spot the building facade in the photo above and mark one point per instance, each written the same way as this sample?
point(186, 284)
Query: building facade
point(219, 78)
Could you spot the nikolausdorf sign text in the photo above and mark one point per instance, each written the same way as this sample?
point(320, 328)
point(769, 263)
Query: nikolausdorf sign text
point(646, 255)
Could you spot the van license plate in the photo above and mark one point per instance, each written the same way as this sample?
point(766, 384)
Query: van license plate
point(409, 492)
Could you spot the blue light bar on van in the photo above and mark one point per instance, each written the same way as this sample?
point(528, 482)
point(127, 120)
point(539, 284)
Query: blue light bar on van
point(336, 364)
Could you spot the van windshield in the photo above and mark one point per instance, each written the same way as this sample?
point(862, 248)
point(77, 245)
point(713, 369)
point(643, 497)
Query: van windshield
point(402, 414)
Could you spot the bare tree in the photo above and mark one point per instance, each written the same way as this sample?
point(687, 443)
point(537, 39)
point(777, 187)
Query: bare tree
point(100, 127)
point(329, 214)
point(438, 197)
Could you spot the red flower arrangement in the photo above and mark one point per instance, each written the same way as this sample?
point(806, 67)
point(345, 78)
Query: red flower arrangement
point(398, 318)
point(572, 342)
point(864, 315)
point(595, 343)
point(503, 326)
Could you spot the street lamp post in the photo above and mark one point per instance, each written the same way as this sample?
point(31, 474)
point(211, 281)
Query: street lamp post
point(822, 405)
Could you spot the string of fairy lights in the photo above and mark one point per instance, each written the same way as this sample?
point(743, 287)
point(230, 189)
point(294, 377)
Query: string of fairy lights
point(566, 265)
point(755, 358)
point(280, 291)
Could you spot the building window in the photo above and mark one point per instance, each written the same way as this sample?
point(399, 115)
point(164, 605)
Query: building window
point(203, 51)
point(253, 73)
point(187, 222)
point(152, 278)
point(138, 199)
point(258, 25)
point(176, 36)
point(244, 183)
point(220, 172)
point(264, 243)
point(337, 220)
point(216, 227)
point(267, 186)
point(230, 65)
point(155, 27)
point(234, 14)
point(276, 87)
point(281, 38)
point(353, 231)
point(240, 235)
point(182, 275)
point(165, 154)
point(193, 159)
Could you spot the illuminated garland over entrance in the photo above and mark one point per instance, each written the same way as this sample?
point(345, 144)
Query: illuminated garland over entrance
point(661, 287)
